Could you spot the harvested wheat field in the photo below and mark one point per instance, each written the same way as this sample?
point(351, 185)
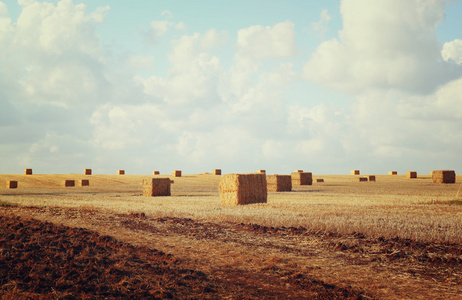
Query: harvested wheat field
point(341, 239)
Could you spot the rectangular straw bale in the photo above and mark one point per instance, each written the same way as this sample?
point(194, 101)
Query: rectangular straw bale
point(239, 189)
point(411, 174)
point(261, 171)
point(393, 173)
point(302, 178)
point(354, 172)
point(216, 171)
point(444, 176)
point(153, 187)
point(299, 171)
point(360, 179)
point(319, 180)
point(68, 182)
point(84, 182)
point(371, 177)
point(27, 171)
point(155, 173)
point(87, 172)
point(12, 184)
point(279, 183)
point(176, 173)
point(120, 172)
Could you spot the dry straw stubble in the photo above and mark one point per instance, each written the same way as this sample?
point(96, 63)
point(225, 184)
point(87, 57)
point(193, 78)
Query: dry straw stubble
point(238, 189)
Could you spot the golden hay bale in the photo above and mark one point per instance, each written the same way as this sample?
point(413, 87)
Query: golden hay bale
point(11, 184)
point(120, 172)
point(261, 171)
point(27, 171)
point(444, 176)
point(371, 177)
point(299, 171)
point(68, 182)
point(393, 173)
point(411, 174)
point(238, 189)
point(87, 171)
point(302, 178)
point(155, 173)
point(216, 171)
point(319, 180)
point(84, 182)
point(156, 187)
point(354, 172)
point(360, 179)
point(279, 183)
point(176, 173)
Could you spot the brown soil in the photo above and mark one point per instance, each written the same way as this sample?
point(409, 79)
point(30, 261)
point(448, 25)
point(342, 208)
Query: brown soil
point(41, 260)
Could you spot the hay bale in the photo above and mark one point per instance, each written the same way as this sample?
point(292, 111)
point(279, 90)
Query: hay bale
point(11, 184)
point(176, 173)
point(238, 189)
point(279, 183)
point(68, 182)
point(302, 178)
point(299, 171)
point(411, 174)
point(354, 172)
point(84, 182)
point(444, 176)
point(371, 177)
point(261, 171)
point(319, 180)
point(216, 171)
point(155, 173)
point(360, 179)
point(27, 171)
point(87, 171)
point(153, 187)
point(120, 172)
point(393, 173)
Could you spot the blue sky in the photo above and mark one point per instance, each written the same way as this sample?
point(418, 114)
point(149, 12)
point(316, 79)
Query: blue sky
point(323, 86)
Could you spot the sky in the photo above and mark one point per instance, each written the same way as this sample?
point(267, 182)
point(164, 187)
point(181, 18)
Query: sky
point(320, 86)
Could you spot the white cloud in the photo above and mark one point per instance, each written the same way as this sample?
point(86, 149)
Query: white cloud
point(259, 41)
point(452, 51)
point(321, 26)
point(387, 44)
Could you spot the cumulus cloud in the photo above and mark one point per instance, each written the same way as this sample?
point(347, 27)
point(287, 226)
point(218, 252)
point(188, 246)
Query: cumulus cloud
point(321, 26)
point(391, 44)
point(452, 51)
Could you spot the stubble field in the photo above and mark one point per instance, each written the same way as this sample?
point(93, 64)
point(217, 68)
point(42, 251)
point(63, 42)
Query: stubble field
point(395, 238)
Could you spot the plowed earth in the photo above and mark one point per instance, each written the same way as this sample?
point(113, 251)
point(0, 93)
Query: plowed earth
point(42, 257)
point(41, 260)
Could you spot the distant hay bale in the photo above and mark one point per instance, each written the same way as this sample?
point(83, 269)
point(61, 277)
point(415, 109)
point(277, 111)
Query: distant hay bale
point(261, 171)
point(153, 187)
point(444, 176)
point(239, 189)
point(393, 173)
point(360, 179)
point(87, 172)
point(302, 178)
point(69, 182)
point(279, 183)
point(299, 171)
point(411, 174)
point(84, 182)
point(27, 171)
point(176, 173)
point(216, 171)
point(12, 184)
point(155, 173)
point(371, 177)
point(354, 172)
point(120, 172)
point(319, 180)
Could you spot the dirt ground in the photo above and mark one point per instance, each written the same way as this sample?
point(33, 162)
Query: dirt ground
point(89, 252)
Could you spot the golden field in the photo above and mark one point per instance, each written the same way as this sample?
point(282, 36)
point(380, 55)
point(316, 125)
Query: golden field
point(383, 238)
